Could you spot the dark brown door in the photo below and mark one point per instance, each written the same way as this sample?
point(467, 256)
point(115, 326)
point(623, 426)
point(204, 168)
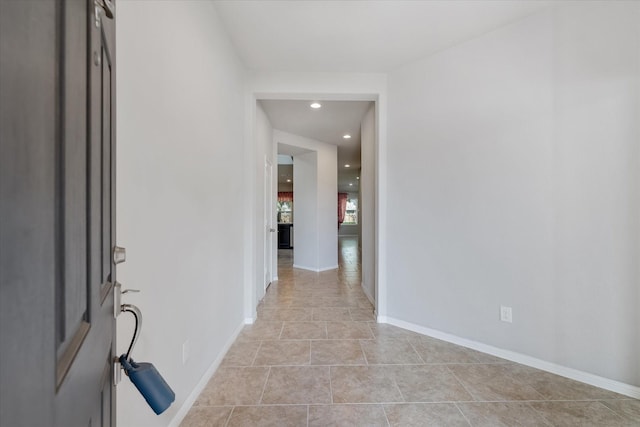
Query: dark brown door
point(57, 212)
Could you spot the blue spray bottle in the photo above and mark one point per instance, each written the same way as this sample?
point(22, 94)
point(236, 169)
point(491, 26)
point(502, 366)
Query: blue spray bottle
point(145, 376)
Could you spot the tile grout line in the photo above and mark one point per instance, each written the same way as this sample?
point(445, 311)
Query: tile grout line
point(281, 330)
point(366, 361)
point(264, 387)
point(416, 351)
point(386, 417)
point(460, 382)
point(549, 423)
point(463, 415)
point(330, 385)
point(255, 356)
point(229, 416)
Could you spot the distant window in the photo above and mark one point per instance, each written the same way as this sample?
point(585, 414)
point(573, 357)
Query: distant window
point(284, 212)
point(351, 213)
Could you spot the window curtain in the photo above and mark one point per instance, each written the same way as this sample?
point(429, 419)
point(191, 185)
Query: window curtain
point(342, 207)
point(285, 196)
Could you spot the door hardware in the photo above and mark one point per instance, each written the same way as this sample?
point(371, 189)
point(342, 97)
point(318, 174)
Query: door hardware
point(102, 5)
point(119, 255)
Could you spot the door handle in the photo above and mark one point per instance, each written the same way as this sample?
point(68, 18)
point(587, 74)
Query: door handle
point(106, 5)
point(117, 298)
point(119, 255)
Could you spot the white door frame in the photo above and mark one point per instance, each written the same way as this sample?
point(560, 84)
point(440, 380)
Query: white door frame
point(268, 222)
point(317, 86)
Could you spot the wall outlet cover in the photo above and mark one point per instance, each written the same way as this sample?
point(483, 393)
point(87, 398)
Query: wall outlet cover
point(506, 314)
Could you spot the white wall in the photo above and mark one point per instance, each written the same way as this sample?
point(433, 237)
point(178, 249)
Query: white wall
point(180, 120)
point(515, 159)
point(305, 208)
point(264, 151)
point(315, 204)
point(367, 202)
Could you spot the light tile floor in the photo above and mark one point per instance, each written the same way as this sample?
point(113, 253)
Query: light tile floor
point(315, 357)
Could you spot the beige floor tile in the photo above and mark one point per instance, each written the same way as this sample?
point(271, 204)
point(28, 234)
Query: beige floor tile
point(346, 301)
point(425, 414)
point(432, 350)
point(383, 330)
point(274, 299)
point(348, 330)
point(363, 384)
point(305, 358)
point(241, 353)
point(234, 386)
point(555, 387)
point(261, 330)
point(389, 351)
point(347, 416)
point(269, 416)
point(629, 409)
point(332, 313)
point(286, 314)
point(428, 383)
point(304, 330)
point(305, 302)
point(207, 416)
point(362, 314)
point(283, 352)
point(336, 352)
point(493, 383)
point(486, 358)
point(502, 414)
point(297, 385)
point(583, 414)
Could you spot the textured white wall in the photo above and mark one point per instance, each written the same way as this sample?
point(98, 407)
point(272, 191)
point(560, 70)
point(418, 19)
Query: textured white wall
point(180, 118)
point(515, 159)
point(315, 205)
point(305, 208)
point(263, 140)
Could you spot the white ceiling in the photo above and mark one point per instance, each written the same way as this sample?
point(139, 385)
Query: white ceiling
point(351, 36)
point(358, 36)
point(327, 124)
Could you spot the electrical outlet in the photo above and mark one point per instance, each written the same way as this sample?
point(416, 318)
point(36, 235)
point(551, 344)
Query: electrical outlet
point(185, 351)
point(506, 314)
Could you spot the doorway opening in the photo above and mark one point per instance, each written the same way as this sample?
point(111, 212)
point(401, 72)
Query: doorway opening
point(350, 129)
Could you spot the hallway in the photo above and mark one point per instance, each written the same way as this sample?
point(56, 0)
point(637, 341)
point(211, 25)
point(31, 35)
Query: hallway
point(316, 357)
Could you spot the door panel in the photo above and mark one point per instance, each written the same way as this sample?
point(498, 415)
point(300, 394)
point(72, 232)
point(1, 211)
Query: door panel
point(58, 224)
point(28, 126)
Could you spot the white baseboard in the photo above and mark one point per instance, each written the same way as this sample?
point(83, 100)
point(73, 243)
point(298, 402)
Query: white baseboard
point(574, 374)
point(275, 279)
point(191, 399)
point(317, 270)
point(249, 321)
point(370, 297)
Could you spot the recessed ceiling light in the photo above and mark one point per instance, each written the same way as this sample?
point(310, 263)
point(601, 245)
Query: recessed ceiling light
point(347, 166)
point(357, 177)
point(346, 136)
point(315, 105)
point(288, 180)
point(351, 183)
